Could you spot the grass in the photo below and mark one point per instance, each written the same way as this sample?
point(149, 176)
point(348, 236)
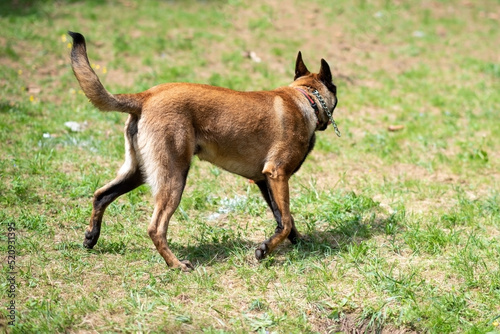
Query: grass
point(403, 227)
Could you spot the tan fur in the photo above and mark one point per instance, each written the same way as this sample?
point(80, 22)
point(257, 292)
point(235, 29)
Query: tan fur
point(263, 136)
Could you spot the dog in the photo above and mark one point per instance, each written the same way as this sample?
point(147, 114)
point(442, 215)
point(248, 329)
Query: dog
point(264, 136)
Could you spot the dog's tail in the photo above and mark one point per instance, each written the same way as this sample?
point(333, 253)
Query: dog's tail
point(93, 88)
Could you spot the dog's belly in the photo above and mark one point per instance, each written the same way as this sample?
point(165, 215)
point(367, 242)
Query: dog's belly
point(247, 165)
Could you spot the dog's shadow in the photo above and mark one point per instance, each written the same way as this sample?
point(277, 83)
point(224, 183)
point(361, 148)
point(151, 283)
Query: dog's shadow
point(345, 236)
point(324, 240)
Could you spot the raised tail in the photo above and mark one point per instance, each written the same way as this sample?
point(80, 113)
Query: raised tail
point(92, 86)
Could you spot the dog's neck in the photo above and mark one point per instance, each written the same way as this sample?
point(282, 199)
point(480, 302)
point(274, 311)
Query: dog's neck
point(327, 111)
point(314, 105)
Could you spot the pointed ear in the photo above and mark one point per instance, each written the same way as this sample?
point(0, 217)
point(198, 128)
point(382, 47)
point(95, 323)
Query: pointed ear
point(325, 74)
point(300, 67)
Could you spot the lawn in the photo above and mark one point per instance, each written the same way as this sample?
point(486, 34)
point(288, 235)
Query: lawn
point(401, 214)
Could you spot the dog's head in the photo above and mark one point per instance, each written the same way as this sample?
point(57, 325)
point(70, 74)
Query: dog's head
point(322, 82)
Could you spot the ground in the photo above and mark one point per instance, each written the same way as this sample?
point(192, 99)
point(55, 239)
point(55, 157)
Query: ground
point(401, 214)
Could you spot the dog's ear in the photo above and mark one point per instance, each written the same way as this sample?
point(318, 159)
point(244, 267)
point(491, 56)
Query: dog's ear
point(325, 74)
point(300, 67)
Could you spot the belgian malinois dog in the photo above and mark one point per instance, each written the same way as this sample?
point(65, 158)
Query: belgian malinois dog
point(263, 136)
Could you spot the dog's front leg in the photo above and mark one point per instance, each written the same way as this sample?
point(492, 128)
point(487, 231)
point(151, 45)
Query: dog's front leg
point(294, 235)
point(277, 180)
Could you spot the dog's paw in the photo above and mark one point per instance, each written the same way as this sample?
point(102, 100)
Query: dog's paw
point(90, 240)
point(186, 266)
point(261, 251)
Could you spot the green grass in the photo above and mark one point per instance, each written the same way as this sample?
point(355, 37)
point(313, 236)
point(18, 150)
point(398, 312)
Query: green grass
point(403, 228)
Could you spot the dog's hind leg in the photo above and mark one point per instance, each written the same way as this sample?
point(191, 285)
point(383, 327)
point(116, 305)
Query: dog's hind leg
point(129, 177)
point(294, 235)
point(103, 197)
point(168, 159)
point(167, 199)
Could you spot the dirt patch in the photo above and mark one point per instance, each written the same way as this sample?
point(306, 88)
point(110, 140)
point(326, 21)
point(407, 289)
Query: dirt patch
point(351, 324)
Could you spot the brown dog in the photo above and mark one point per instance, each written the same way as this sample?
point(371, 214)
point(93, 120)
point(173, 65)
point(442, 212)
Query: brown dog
point(263, 136)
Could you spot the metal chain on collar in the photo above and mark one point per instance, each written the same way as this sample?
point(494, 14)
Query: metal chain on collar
point(328, 113)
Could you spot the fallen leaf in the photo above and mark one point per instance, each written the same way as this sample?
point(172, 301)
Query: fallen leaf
point(394, 128)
